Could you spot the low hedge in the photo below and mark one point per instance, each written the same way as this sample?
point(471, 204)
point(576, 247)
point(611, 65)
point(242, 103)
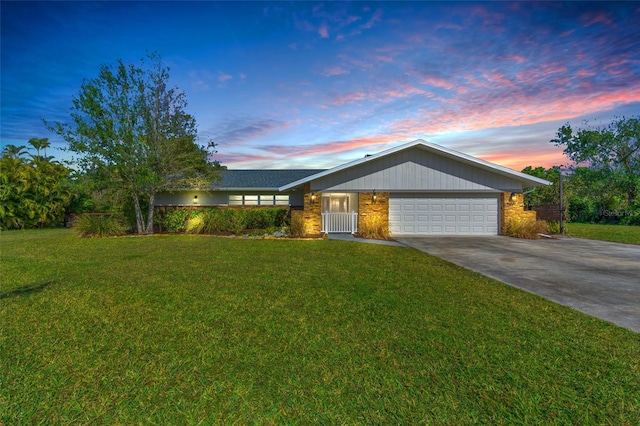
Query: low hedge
point(214, 220)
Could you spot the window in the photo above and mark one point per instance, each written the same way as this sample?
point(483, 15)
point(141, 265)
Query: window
point(282, 200)
point(250, 200)
point(335, 203)
point(266, 200)
point(235, 200)
point(258, 200)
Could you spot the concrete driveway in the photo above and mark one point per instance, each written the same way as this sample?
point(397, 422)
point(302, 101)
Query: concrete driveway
point(598, 278)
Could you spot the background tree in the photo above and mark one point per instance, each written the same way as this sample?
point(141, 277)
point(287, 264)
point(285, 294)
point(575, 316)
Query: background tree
point(547, 194)
point(133, 134)
point(34, 189)
point(613, 150)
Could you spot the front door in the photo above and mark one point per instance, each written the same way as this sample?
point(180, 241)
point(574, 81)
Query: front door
point(337, 216)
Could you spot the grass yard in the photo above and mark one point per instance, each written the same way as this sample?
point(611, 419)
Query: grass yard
point(614, 233)
point(204, 330)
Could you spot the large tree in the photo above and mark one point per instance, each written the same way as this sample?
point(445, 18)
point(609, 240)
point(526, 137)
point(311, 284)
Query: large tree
point(613, 149)
point(132, 132)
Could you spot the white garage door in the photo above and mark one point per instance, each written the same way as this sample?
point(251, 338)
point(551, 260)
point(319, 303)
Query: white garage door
point(411, 214)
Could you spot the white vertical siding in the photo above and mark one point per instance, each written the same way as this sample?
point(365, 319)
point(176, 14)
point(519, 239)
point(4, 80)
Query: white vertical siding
point(416, 170)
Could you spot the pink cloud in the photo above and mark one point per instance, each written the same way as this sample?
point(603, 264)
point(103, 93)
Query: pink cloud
point(384, 58)
point(515, 110)
point(518, 159)
point(585, 73)
point(448, 26)
point(375, 18)
point(498, 78)
point(331, 147)
point(533, 75)
point(401, 90)
point(489, 19)
point(323, 31)
point(437, 82)
point(222, 77)
point(333, 71)
point(405, 90)
point(517, 59)
point(592, 18)
point(350, 97)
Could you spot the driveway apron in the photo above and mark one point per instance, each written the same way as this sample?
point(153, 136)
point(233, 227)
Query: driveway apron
point(598, 278)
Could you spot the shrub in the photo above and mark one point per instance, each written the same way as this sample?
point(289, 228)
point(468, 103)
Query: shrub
point(525, 227)
point(215, 220)
point(374, 226)
point(265, 218)
point(195, 225)
point(88, 225)
point(297, 226)
point(553, 226)
point(238, 221)
point(174, 220)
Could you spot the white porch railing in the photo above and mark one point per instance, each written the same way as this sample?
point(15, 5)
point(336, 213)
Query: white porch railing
point(339, 222)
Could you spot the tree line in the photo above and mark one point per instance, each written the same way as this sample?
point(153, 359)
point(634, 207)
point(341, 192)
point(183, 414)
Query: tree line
point(602, 183)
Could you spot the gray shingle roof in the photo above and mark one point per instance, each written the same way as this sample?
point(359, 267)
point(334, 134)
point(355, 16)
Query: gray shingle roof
point(261, 179)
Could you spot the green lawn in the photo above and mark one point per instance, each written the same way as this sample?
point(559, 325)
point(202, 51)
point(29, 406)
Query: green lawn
point(205, 330)
point(614, 233)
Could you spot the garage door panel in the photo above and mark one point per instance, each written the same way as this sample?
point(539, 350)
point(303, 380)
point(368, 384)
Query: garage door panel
point(443, 215)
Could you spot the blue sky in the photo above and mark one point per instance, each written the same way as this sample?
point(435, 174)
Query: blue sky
point(317, 84)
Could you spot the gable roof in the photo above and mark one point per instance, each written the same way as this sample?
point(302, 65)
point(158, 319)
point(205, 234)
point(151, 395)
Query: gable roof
point(527, 180)
point(260, 179)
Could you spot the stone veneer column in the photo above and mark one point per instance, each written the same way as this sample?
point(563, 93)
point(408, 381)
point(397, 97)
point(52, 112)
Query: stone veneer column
point(312, 211)
point(380, 208)
point(513, 209)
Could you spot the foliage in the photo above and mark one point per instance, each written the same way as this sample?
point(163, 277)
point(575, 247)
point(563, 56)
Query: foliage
point(553, 226)
point(34, 189)
point(173, 220)
point(98, 225)
point(212, 221)
point(132, 133)
point(590, 196)
point(238, 221)
point(177, 330)
point(525, 227)
point(297, 226)
point(548, 194)
point(613, 233)
point(374, 226)
point(613, 149)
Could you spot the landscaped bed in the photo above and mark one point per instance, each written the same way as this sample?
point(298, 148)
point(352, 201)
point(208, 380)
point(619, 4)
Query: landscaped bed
point(199, 329)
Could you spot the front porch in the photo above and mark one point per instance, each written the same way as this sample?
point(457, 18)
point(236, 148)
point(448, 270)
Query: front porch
point(340, 212)
point(346, 223)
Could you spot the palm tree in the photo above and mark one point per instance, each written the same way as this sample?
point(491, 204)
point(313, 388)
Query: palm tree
point(13, 151)
point(40, 143)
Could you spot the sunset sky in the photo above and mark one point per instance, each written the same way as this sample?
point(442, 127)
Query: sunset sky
point(317, 84)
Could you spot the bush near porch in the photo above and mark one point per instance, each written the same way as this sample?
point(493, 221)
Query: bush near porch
point(220, 220)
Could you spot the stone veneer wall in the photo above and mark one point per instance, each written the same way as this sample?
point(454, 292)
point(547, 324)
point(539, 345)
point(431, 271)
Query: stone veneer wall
point(311, 213)
point(367, 208)
point(510, 209)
